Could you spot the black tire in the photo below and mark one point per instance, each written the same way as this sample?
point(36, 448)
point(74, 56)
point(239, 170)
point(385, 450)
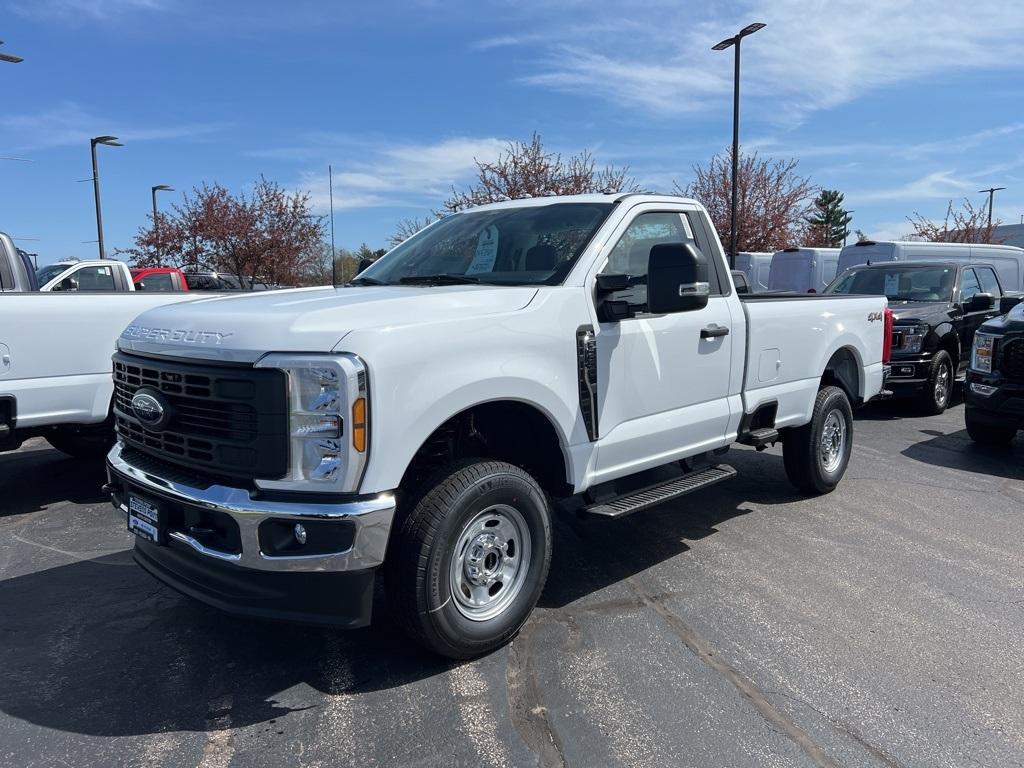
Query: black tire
point(86, 443)
point(986, 431)
point(939, 389)
point(802, 447)
point(423, 570)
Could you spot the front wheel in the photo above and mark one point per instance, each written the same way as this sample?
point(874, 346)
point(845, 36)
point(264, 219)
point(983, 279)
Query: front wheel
point(471, 558)
point(816, 454)
point(940, 384)
point(986, 431)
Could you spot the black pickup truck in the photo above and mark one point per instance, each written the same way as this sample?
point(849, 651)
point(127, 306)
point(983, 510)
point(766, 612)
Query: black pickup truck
point(937, 307)
point(994, 392)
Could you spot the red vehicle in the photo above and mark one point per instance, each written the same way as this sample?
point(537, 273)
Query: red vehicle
point(158, 279)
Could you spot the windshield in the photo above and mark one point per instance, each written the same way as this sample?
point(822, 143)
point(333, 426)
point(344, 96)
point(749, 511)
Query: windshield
point(899, 284)
point(46, 274)
point(530, 245)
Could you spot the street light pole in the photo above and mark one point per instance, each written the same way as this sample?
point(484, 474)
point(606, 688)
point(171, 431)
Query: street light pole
point(846, 226)
point(991, 193)
point(9, 57)
point(110, 141)
point(156, 221)
point(735, 42)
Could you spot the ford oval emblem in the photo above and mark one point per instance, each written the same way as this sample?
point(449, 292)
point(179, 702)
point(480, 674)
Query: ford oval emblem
point(149, 408)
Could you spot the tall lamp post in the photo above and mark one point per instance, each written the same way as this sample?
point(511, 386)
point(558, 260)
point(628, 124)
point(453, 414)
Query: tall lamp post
point(110, 141)
point(10, 57)
point(991, 193)
point(156, 221)
point(727, 43)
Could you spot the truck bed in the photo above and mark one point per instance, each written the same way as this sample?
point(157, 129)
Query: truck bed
point(790, 343)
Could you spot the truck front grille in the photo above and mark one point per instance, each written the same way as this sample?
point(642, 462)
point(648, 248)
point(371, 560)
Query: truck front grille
point(228, 421)
point(1012, 357)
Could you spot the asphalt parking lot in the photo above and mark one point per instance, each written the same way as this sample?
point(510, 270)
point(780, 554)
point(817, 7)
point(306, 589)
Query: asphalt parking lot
point(882, 625)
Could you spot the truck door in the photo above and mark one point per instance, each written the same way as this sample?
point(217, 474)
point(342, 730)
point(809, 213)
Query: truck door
point(970, 285)
point(662, 385)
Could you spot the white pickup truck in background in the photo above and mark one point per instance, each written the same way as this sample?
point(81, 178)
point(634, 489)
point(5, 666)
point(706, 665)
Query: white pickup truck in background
point(55, 365)
point(275, 450)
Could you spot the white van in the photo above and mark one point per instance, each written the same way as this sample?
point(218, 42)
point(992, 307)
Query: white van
point(1007, 259)
point(803, 270)
point(756, 266)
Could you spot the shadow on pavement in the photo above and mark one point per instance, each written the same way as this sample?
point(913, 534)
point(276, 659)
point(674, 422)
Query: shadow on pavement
point(31, 480)
point(902, 407)
point(98, 647)
point(957, 451)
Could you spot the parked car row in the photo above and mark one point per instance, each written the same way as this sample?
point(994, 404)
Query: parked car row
point(812, 270)
point(18, 275)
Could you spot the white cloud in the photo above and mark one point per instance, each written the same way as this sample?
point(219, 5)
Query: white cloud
point(938, 184)
point(811, 55)
point(413, 175)
point(69, 123)
point(77, 10)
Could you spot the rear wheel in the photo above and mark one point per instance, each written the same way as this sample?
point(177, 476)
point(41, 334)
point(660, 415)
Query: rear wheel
point(987, 432)
point(816, 454)
point(940, 384)
point(470, 560)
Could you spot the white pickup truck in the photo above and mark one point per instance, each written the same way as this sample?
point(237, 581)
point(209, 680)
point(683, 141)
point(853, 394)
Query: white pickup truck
point(55, 365)
point(276, 450)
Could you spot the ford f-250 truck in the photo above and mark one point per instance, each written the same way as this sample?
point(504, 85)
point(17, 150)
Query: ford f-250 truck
point(994, 391)
point(276, 450)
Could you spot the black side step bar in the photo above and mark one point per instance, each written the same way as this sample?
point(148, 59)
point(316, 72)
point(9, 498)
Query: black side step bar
point(760, 438)
point(656, 494)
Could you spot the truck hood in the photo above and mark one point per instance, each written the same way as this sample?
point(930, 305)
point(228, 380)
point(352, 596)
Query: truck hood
point(244, 327)
point(931, 312)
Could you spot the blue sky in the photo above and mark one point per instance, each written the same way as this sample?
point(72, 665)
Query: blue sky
point(900, 105)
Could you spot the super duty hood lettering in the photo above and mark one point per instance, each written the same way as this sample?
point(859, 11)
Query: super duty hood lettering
point(143, 333)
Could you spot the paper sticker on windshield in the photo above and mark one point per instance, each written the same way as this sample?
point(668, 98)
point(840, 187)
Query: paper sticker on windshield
point(892, 283)
point(486, 252)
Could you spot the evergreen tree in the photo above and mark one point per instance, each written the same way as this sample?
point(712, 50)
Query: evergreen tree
point(829, 221)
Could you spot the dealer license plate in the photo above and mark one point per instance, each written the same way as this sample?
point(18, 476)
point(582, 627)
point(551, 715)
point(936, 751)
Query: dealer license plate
point(144, 519)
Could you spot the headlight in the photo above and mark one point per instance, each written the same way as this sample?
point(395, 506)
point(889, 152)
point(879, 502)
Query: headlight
point(983, 351)
point(913, 337)
point(327, 421)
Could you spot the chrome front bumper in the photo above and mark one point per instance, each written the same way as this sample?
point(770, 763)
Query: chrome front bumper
point(370, 517)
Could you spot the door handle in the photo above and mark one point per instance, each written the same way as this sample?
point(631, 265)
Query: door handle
point(713, 331)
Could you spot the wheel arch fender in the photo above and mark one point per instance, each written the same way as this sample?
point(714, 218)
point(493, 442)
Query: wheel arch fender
point(386, 472)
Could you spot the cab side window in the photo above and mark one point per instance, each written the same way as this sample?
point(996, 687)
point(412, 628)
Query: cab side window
point(969, 285)
point(989, 281)
point(158, 281)
point(630, 254)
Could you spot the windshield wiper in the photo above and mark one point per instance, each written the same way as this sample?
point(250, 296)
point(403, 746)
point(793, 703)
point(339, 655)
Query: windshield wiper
point(442, 279)
point(366, 281)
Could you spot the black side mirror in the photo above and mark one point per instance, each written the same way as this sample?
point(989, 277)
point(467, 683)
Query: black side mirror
point(979, 302)
point(363, 264)
point(1006, 303)
point(739, 279)
point(677, 279)
point(612, 283)
point(67, 284)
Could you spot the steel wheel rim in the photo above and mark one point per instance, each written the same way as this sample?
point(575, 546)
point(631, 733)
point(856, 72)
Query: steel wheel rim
point(490, 562)
point(833, 440)
point(942, 385)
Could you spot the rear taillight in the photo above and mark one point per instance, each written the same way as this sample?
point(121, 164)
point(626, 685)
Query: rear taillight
point(887, 338)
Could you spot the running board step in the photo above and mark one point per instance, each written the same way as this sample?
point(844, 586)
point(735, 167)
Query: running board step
point(759, 438)
point(657, 494)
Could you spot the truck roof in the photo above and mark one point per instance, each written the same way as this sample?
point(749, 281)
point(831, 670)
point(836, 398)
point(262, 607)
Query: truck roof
point(610, 197)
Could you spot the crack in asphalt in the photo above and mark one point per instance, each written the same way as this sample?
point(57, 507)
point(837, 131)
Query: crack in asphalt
point(746, 687)
point(526, 703)
point(849, 730)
